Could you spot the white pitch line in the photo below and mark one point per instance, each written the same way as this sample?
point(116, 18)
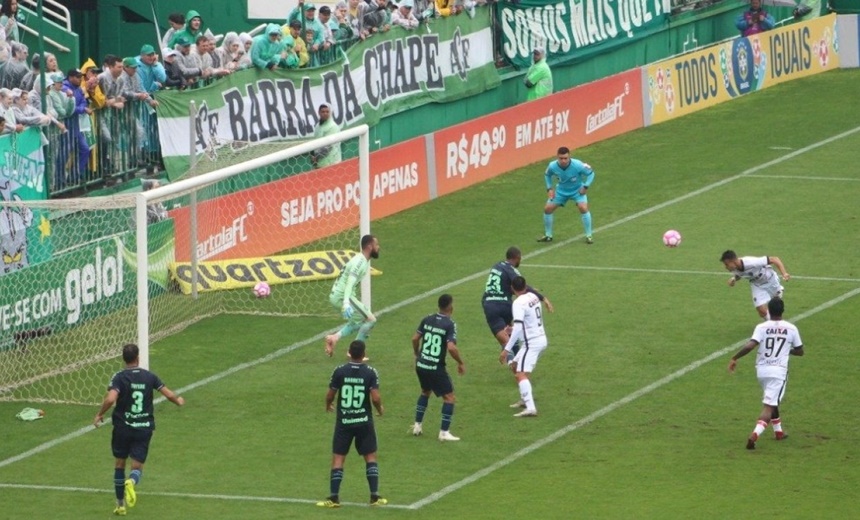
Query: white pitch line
point(205, 496)
point(675, 271)
point(77, 433)
point(433, 497)
point(805, 178)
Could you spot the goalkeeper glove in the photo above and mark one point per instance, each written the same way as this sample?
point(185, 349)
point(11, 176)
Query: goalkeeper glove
point(346, 312)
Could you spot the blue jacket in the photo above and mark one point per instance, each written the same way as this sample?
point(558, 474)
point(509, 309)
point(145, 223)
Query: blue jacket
point(150, 74)
point(81, 104)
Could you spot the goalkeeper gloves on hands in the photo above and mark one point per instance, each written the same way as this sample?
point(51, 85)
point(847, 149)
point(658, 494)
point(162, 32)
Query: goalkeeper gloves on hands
point(347, 312)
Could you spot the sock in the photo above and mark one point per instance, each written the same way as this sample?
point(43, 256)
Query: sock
point(586, 223)
point(334, 483)
point(421, 407)
point(347, 330)
point(372, 472)
point(547, 224)
point(364, 330)
point(119, 485)
point(777, 425)
point(760, 427)
point(526, 394)
point(135, 476)
point(447, 415)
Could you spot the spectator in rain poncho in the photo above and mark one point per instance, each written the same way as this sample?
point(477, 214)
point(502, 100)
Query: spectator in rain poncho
point(231, 52)
point(25, 113)
point(16, 68)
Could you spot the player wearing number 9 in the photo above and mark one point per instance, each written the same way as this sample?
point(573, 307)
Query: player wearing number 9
point(435, 338)
point(356, 386)
point(775, 340)
point(133, 420)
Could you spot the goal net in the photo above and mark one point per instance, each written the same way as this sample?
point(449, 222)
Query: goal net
point(81, 277)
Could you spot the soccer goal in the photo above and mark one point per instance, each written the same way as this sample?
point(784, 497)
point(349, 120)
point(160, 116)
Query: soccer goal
point(84, 276)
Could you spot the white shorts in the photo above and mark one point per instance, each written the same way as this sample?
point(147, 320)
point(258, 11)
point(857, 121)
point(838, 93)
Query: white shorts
point(761, 294)
point(527, 357)
point(773, 387)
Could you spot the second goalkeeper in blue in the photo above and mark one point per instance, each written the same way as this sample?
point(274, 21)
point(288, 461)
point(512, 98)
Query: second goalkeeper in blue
point(574, 179)
point(344, 295)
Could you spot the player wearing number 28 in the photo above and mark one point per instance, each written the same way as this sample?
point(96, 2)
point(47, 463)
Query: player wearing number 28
point(434, 340)
point(355, 386)
point(528, 329)
point(574, 179)
point(775, 340)
point(344, 296)
point(133, 420)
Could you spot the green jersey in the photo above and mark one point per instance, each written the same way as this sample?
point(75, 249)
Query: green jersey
point(349, 279)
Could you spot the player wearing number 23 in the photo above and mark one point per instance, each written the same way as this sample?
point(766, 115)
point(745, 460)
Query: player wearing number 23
point(435, 338)
point(133, 422)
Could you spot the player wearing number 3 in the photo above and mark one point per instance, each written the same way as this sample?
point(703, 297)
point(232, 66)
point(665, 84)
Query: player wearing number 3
point(344, 297)
point(574, 179)
point(528, 329)
point(435, 338)
point(133, 422)
point(776, 340)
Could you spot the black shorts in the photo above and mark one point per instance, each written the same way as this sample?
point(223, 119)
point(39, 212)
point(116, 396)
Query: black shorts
point(499, 315)
point(130, 442)
point(437, 380)
point(364, 436)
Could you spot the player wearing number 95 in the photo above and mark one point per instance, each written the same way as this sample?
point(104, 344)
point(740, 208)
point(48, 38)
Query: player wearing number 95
point(574, 179)
point(133, 422)
point(344, 296)
point(776, 340)
point(356, 386)
point(435, 338)
point(528, 329)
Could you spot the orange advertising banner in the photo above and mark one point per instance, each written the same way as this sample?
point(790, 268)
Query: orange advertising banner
point(297, 210)
point(483, 148)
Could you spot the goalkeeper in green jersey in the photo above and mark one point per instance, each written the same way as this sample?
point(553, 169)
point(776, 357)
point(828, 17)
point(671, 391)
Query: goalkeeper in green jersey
point(344, 295)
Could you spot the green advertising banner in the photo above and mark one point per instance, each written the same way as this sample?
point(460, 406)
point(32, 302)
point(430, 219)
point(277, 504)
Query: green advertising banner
point(577, 28)
point(385, 74)
point(24, 233)
point(83, 284)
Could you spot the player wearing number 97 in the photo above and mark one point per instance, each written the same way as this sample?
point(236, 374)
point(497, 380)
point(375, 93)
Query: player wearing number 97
point(435, 338)
point(776, 340)
point(356, 386)
point(528, 329)
point(133, 422)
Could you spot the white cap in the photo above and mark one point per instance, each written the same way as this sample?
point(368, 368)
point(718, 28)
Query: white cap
point(167, 52)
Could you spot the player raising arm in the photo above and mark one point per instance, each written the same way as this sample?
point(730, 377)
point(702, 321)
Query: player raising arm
point(764, 283)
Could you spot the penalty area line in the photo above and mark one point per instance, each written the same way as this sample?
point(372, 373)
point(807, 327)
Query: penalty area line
point(204, 496)
point(588, 419)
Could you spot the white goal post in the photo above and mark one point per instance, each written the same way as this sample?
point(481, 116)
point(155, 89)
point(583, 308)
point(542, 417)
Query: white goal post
point(85, 276)
point(192, 185)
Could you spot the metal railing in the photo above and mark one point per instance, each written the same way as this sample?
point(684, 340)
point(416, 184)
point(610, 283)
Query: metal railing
point(110, 146)
point(52, 10)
